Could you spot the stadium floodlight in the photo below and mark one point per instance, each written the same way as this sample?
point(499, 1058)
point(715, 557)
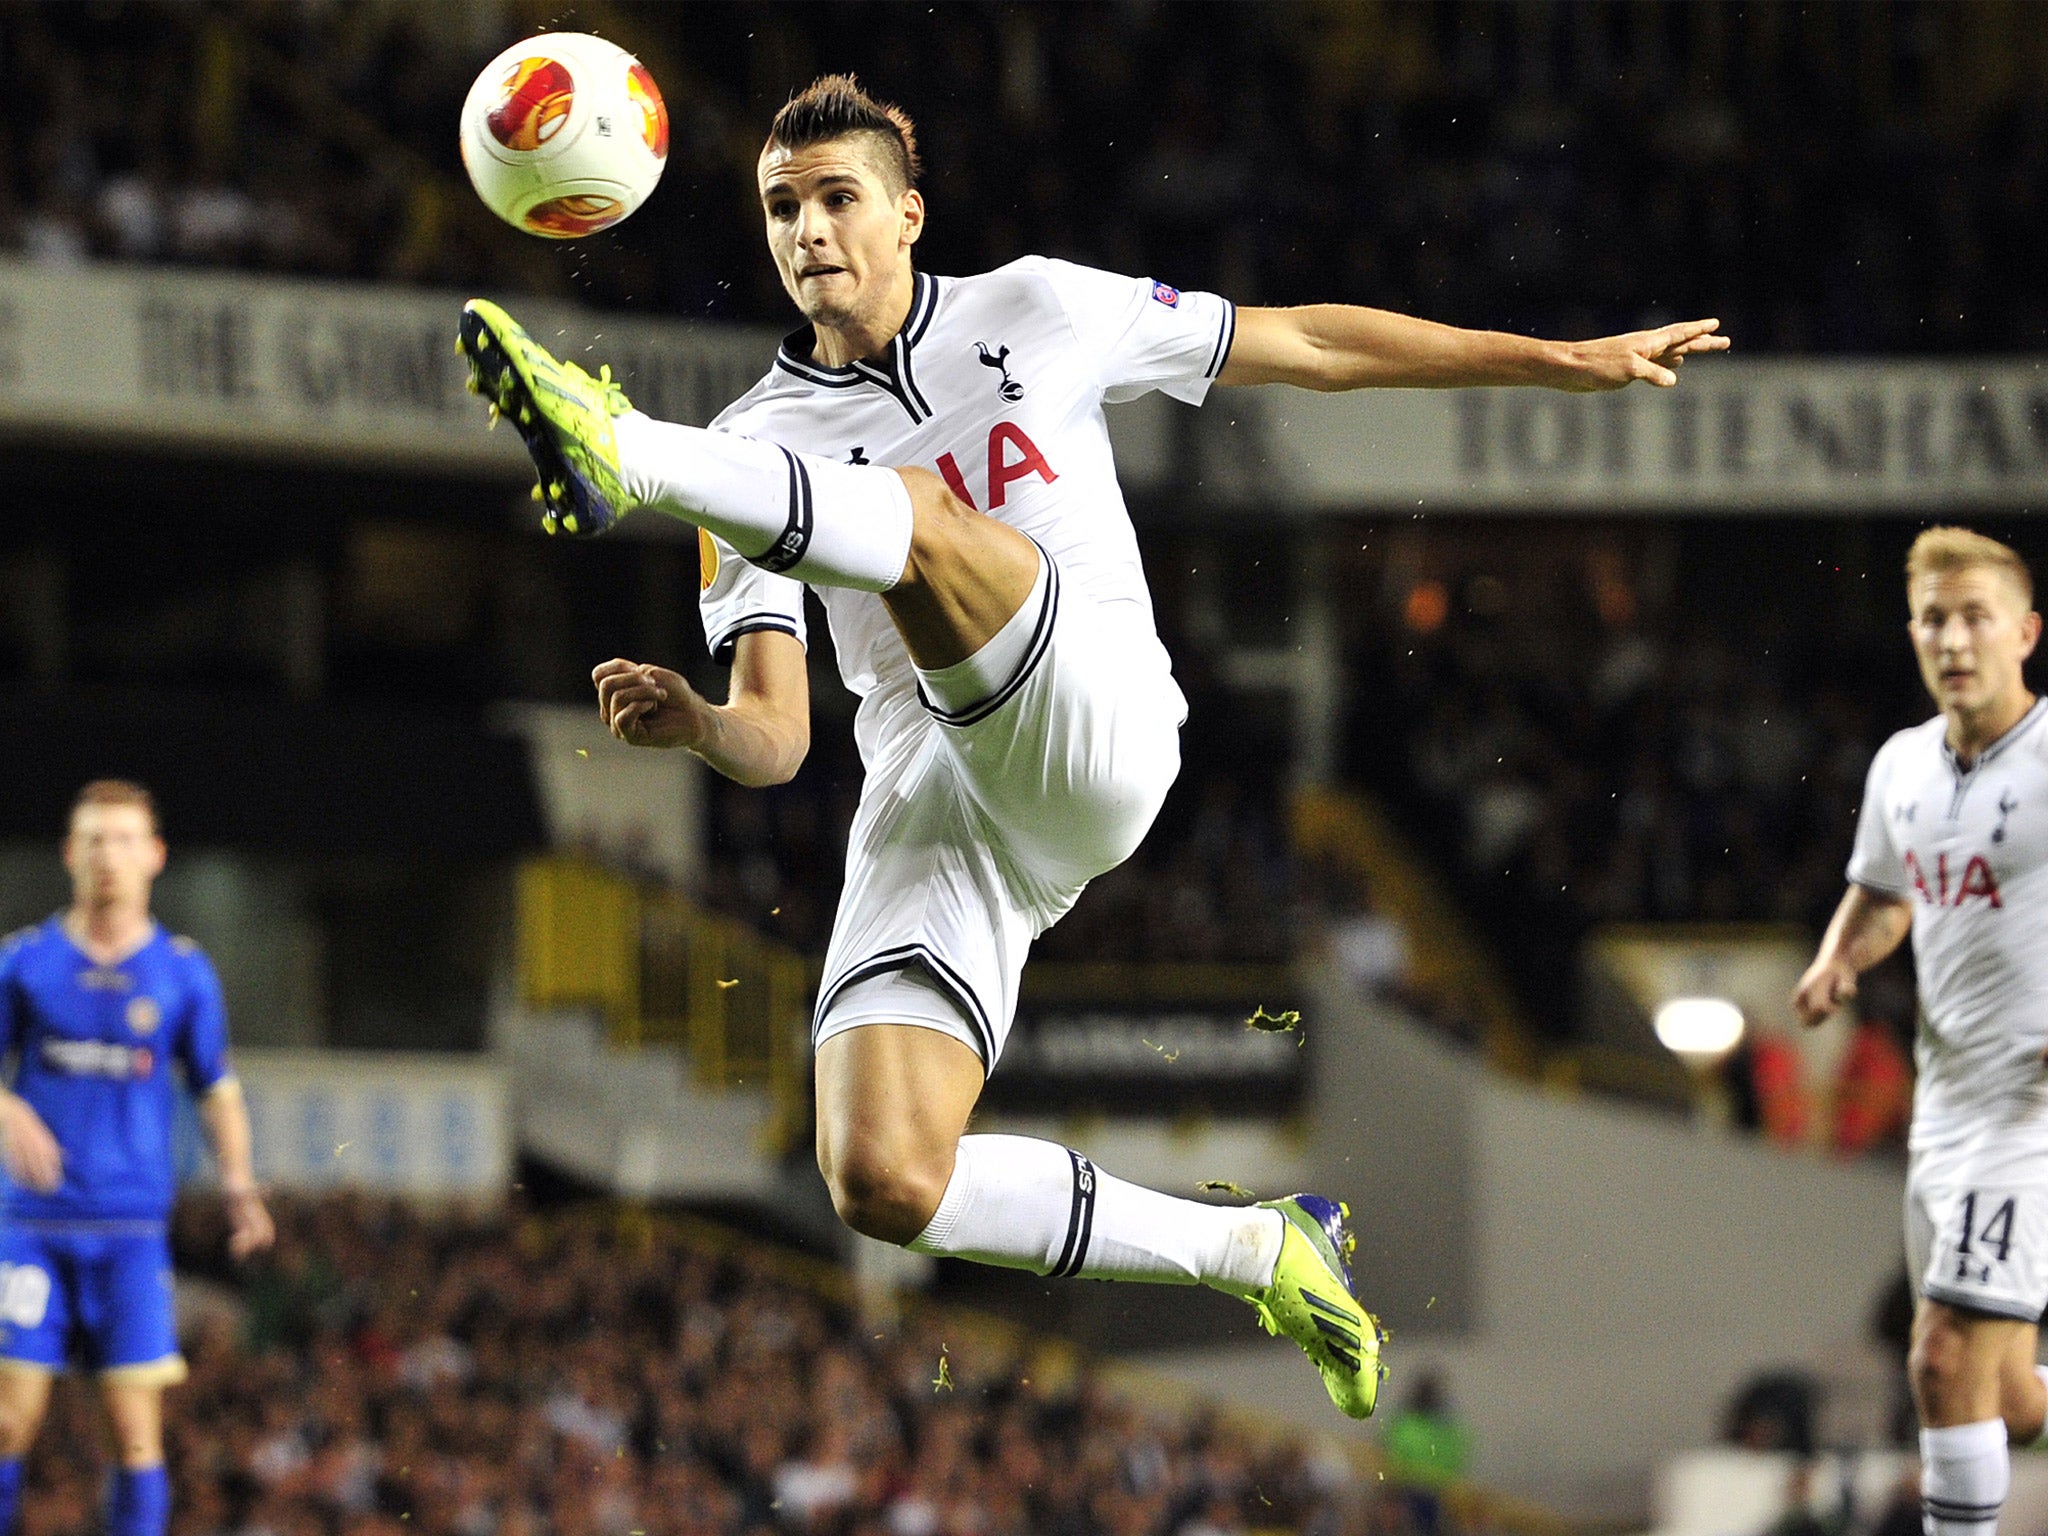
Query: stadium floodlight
point(1700, 1029)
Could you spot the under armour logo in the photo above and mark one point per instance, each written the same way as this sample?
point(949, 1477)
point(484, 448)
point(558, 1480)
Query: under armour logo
point(1905, 812)
point(859, 454)
point(1009, 389)
point(2006, 806)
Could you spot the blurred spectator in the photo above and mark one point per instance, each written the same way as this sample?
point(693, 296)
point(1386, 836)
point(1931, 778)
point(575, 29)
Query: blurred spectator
point(1873, 1090)
point(1774, 1411)
point(1784, 1103)
point(1428, 1448)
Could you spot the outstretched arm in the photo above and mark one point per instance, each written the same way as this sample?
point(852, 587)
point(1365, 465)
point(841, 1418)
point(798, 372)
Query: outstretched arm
point(1867, 927)
point(1343, 346)
point(758, 736)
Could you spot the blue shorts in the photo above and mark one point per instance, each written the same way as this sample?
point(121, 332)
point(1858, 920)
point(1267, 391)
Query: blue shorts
point(97, 1294)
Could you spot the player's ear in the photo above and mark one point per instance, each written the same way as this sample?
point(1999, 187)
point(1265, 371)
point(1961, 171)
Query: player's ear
point(2030, 634)
point(910, 208)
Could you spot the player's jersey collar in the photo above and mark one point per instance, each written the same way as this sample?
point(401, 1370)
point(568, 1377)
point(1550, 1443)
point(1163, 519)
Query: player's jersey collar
point(2011, 734)
point(62, 930)
point(892, 370)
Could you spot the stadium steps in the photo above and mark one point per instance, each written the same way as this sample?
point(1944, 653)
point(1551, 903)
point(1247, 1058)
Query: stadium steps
point(1447, 959)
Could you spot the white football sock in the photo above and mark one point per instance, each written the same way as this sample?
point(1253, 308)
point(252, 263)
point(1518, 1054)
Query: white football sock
point(1964, 1473)
point(959, 688)
point(831, 524)
point(1028, 1204)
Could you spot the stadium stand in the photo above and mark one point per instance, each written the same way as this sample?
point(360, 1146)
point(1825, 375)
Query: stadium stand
point(1574, 169)
point(391, 1371)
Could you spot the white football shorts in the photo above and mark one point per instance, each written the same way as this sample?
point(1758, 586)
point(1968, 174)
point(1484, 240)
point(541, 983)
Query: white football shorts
point(977, 830)
point(1977, 1222)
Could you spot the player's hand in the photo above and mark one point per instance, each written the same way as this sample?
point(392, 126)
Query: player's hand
point(648, 706)
point(250, 1229)
point(31, 1152)
point(1615, 362)
point(1822, 991)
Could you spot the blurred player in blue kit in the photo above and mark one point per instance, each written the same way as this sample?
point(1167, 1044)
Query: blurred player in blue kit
point(96, 1004)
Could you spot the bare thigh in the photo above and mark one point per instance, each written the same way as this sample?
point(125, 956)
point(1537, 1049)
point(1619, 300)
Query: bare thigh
point(966, 578)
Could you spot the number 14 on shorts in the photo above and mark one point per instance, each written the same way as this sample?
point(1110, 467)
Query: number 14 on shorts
point(1983, 1234)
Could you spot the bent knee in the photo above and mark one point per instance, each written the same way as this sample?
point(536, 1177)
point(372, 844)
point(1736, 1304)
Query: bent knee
point(889, 1194)
point(1939, 1367)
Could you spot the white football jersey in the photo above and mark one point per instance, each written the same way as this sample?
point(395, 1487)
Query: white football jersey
point(1969, 849)
point(997, 383)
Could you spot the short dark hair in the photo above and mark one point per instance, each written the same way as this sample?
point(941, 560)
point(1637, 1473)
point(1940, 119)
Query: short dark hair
point(835, 107)
point(118, 792)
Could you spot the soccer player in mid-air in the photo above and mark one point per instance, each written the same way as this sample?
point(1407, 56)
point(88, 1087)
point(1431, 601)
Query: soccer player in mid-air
point(96, 1005)
point(930, 456)
point(1952, 847)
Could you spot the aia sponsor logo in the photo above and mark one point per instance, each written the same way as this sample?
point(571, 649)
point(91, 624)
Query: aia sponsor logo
point(1011, 457)
point(1945, 887)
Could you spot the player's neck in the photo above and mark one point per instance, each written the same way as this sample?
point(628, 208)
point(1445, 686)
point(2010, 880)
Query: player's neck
point(1971, 731)
point(867, 335)
point(110, 932)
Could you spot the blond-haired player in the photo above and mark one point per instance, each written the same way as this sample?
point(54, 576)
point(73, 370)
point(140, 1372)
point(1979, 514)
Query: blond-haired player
point(1952, 846)
point(1019, 720)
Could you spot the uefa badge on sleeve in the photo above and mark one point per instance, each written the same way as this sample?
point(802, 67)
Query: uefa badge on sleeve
point(1162, 294)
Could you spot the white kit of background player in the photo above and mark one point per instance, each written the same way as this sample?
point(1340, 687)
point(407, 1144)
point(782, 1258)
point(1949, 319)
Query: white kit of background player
point(1952, 846)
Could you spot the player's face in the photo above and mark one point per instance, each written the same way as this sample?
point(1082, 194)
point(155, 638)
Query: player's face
point(1973, 633)
point(113, 855)
point(841, 239)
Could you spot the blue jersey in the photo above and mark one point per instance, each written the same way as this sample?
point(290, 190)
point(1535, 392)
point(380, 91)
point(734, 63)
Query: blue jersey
point(95, 1045)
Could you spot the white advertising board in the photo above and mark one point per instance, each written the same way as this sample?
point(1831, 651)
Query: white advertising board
point(427, 1124)
point(355, 372)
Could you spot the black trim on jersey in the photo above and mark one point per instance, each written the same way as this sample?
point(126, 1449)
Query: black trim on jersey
point(890, 372)
point(944, 977)
point(796, 535)
point(1968, 1514)
point(1034, 653)
point(1080, 1219)
point(750, 624)
point(1988, 1306)
point(1226, 334)
point(1965, 777)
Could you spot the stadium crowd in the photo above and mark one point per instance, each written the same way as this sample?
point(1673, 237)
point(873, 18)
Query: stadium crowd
point(1830, 176)
point(1676, 730)
point(387, 1373)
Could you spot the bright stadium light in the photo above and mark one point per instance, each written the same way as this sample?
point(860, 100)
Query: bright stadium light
point(1700, 1029)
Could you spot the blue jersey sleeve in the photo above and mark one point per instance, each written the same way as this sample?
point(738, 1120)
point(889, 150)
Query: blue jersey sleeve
point(203, 1042)
point(10, 995)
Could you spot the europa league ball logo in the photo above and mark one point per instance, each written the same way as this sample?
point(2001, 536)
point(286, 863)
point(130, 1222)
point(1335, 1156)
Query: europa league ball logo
point(533, 104)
